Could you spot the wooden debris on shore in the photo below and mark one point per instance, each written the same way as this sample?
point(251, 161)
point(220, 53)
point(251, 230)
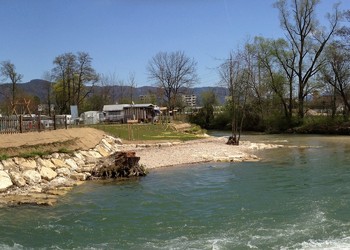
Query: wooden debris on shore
point(232, 140)
point(119, 165)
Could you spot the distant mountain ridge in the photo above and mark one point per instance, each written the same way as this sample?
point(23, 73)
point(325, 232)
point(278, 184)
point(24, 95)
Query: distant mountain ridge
point(39, 88)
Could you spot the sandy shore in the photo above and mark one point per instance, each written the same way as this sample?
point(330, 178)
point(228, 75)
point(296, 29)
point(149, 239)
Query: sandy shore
point(211, 149)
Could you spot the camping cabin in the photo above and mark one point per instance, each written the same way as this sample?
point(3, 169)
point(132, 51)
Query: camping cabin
point(125, 113)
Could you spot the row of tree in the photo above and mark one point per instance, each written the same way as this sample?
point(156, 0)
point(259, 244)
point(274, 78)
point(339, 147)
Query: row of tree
point(268, 79)
point(272, 79)
point(73, 81)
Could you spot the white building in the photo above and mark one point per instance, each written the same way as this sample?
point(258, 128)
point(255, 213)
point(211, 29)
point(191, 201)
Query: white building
point(190, 100)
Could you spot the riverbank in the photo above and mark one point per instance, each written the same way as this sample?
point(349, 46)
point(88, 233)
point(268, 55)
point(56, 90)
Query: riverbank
point(42, 180)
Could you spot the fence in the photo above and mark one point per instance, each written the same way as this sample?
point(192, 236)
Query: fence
point(23, 123)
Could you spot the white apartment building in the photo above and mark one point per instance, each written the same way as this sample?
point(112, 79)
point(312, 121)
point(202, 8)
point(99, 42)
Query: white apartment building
point(190, 100)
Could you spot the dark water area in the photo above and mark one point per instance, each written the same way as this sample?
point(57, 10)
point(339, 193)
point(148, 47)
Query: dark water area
point(297, 197)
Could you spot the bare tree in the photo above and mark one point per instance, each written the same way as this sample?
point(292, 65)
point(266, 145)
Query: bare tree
point(308, 39)
point(171, 72)
point(48, 77)
point(8, 71)
point(132, 85)
point(344, 31)
point(75, 79)
point(86, 77)
point(235, 75)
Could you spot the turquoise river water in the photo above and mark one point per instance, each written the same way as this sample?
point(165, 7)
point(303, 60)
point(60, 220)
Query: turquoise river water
point(297, 197)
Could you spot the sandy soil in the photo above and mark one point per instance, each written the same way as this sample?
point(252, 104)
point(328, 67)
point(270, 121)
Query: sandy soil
point(74, 138)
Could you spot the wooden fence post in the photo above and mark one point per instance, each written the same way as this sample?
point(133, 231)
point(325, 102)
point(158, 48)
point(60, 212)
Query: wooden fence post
point(54, 122)
point(39, 122)
point(21, 124)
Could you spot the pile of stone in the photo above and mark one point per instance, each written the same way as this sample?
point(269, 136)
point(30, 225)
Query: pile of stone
point(40, 180)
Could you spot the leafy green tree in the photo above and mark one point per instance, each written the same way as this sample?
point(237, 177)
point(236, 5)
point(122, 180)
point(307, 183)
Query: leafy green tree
point(205, 116)
point(337, 74)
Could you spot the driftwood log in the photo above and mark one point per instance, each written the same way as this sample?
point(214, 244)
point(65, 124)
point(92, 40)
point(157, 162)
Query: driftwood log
point(232, 140)
point(119, 165)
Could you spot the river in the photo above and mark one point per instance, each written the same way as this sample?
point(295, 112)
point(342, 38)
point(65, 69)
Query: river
point(297, 197)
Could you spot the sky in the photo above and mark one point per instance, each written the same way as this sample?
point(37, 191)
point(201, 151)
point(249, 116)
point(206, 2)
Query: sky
point(122, 36)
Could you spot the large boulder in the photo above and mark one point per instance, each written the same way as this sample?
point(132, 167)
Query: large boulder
point(25, 164)
point(5, 181)
point(46, 163)
point(47, 173)
point(108, 146)
point(78, 176)
point(93, 154)
point(9, 164)
point(102, 150)
point(72, 164)
point(61, 182)
point(63, 171)
point(17, 179)
point(32, 177)
point(58, 163)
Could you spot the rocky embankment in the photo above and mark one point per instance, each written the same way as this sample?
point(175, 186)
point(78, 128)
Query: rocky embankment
point(41, 180)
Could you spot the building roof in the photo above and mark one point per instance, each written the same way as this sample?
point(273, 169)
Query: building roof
point(119, 107)
point(114, 107)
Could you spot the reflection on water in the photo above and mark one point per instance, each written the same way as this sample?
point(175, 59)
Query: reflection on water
point(297, 197)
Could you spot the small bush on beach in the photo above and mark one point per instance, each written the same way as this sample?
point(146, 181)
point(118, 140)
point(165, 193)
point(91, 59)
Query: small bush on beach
point(65, 151)
point(33, 154)
point(3, 157)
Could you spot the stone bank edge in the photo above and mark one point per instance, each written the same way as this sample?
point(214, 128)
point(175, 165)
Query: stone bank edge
point(41, 179)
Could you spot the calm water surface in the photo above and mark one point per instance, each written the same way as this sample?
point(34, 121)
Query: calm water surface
point(298, 197)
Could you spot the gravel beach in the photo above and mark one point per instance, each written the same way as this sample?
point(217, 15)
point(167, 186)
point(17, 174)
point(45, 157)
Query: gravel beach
point(210, 149)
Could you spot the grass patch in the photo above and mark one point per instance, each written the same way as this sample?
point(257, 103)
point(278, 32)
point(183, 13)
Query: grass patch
point(140, 132)
point(32, 151)
point(4, 157)
point(41, 153)
point(33, 154)
point(65, 151)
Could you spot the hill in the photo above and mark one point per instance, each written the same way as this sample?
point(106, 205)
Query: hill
point(36, 87)
point(39, 88)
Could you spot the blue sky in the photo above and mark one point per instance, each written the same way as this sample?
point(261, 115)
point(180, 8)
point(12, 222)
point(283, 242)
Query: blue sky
point(123, 35)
